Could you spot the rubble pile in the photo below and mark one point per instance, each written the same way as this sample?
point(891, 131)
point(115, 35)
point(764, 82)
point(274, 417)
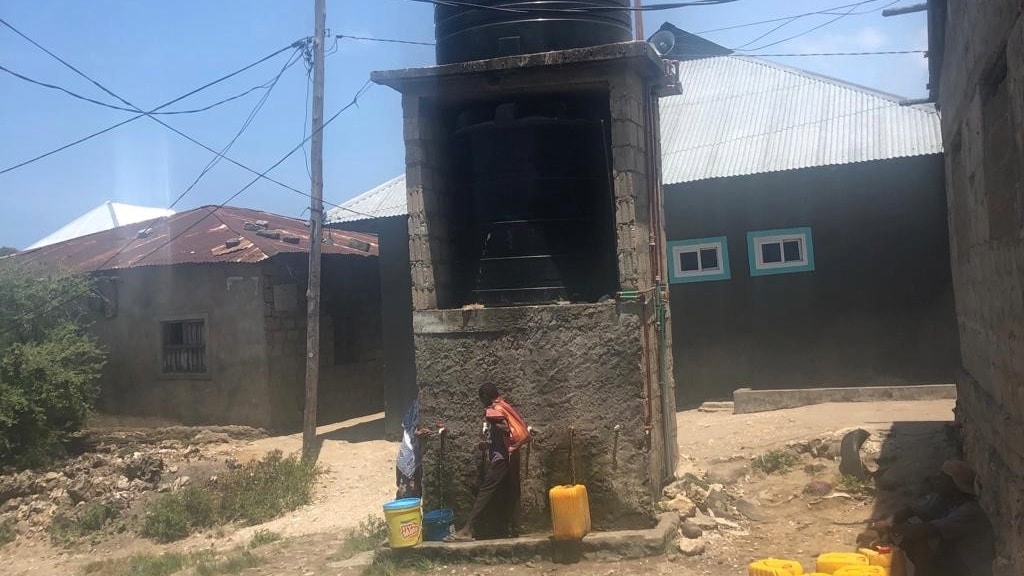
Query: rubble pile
point(118, 470)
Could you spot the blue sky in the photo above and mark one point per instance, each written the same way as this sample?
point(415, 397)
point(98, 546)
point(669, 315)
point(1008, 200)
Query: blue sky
point(150, 52)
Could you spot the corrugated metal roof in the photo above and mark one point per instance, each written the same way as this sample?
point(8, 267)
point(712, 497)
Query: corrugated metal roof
point(104, 217)
point(385, 200)
point(739, 115)
point(203, 235)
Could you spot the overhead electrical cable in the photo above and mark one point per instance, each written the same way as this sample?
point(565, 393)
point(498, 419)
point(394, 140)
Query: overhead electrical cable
point(152, 111)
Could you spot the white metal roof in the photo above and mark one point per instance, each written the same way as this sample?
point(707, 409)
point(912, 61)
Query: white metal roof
point(385, 200)
point(104, 217)
point(740, 115)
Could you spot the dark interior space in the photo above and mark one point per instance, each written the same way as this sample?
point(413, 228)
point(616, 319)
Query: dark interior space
point(531, 207)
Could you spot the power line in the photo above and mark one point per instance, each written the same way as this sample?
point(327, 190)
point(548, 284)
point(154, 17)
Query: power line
point(579, 10)
point(54, 305)
point(785, 55)
point(143, 114)
point(245, 125)
point(122, 108)
point(794, 19)
point(830, 11)
point(818, 27)
point(387, 40)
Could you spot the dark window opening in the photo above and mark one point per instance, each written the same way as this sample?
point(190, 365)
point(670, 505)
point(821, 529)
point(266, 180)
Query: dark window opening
point(184, 347)
point(771, 253)
point(688, 262)
point(708, 259)
point(791, 251)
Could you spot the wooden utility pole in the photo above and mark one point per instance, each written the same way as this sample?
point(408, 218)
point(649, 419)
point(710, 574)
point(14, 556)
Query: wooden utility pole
point(316, 215)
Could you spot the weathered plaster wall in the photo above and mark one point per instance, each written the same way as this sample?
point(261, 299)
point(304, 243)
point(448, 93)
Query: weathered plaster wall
point(561, 366)
point(229, 298)
point(982, 99)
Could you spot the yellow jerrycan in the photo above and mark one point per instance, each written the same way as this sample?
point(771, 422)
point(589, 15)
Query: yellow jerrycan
point(570, 505)
point(775, 567)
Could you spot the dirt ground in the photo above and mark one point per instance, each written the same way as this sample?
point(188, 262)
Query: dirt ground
point(908, 440)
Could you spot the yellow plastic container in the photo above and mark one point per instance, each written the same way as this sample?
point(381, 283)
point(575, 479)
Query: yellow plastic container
point(890, 558)
point(405, 522)
point(570, 512)
point(775, 567)
point(862, 571)
point(832, 561)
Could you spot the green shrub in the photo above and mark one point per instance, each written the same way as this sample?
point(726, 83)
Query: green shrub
point(252, 494)
point(264, 489)
point(166, 519)
point(49, 366)
point(775, 461)
point(66, 530)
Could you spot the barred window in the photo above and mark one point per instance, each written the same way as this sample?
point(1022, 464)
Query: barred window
point(184, 347)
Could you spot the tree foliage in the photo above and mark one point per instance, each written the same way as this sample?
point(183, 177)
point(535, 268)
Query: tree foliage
point(49, 365)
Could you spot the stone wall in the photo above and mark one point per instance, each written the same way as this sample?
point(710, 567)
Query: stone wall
point(561, 366)
point(982, 99)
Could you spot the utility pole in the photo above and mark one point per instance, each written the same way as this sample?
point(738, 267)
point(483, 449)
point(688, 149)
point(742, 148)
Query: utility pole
point(316, 215)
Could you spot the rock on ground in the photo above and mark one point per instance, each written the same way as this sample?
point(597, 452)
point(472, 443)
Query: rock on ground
point(688, 547)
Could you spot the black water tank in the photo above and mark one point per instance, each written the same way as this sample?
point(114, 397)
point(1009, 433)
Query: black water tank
point(537, 225)
point(510, 27)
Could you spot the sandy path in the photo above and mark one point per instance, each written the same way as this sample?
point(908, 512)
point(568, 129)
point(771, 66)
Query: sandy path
point(359, 477)
point(706, 436)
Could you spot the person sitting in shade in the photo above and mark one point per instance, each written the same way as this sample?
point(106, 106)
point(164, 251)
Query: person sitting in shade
point(951, 536)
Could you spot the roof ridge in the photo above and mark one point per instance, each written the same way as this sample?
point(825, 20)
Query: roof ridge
point(754, 59)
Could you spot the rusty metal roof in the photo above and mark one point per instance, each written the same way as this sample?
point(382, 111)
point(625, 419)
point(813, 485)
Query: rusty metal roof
point(201, 236)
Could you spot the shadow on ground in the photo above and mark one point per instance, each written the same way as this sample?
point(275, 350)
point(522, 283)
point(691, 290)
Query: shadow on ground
point(362, 432)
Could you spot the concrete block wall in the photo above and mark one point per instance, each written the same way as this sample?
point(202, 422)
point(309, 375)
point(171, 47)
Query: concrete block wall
point(591, 366)
point(982, 99)
point(561, 366)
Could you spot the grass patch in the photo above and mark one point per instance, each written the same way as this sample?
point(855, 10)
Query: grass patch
point(233, 563)
point(139, 565)
point(262, 538)
point(257, 492)
point(397, 564)
point(7, 531)
point(855, 486)
point(775, 461)
point(92, 518)
point(365, 537)
point(265, 489)
point(204, 563)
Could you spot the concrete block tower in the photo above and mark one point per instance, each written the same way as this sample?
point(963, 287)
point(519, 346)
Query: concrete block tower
point(536, 259)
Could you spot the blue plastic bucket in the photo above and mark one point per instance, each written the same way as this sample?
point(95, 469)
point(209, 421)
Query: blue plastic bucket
point(437, 525)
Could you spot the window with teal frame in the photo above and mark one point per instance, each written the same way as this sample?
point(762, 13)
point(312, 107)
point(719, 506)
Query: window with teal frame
point(698, 260)
point(784, 251)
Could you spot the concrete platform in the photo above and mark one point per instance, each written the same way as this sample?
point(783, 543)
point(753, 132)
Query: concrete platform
point(617, 544)
point(747, 401)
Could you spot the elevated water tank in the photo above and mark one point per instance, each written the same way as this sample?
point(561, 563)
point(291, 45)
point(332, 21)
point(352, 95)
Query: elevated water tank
point(532, 180)
point(483, 29)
